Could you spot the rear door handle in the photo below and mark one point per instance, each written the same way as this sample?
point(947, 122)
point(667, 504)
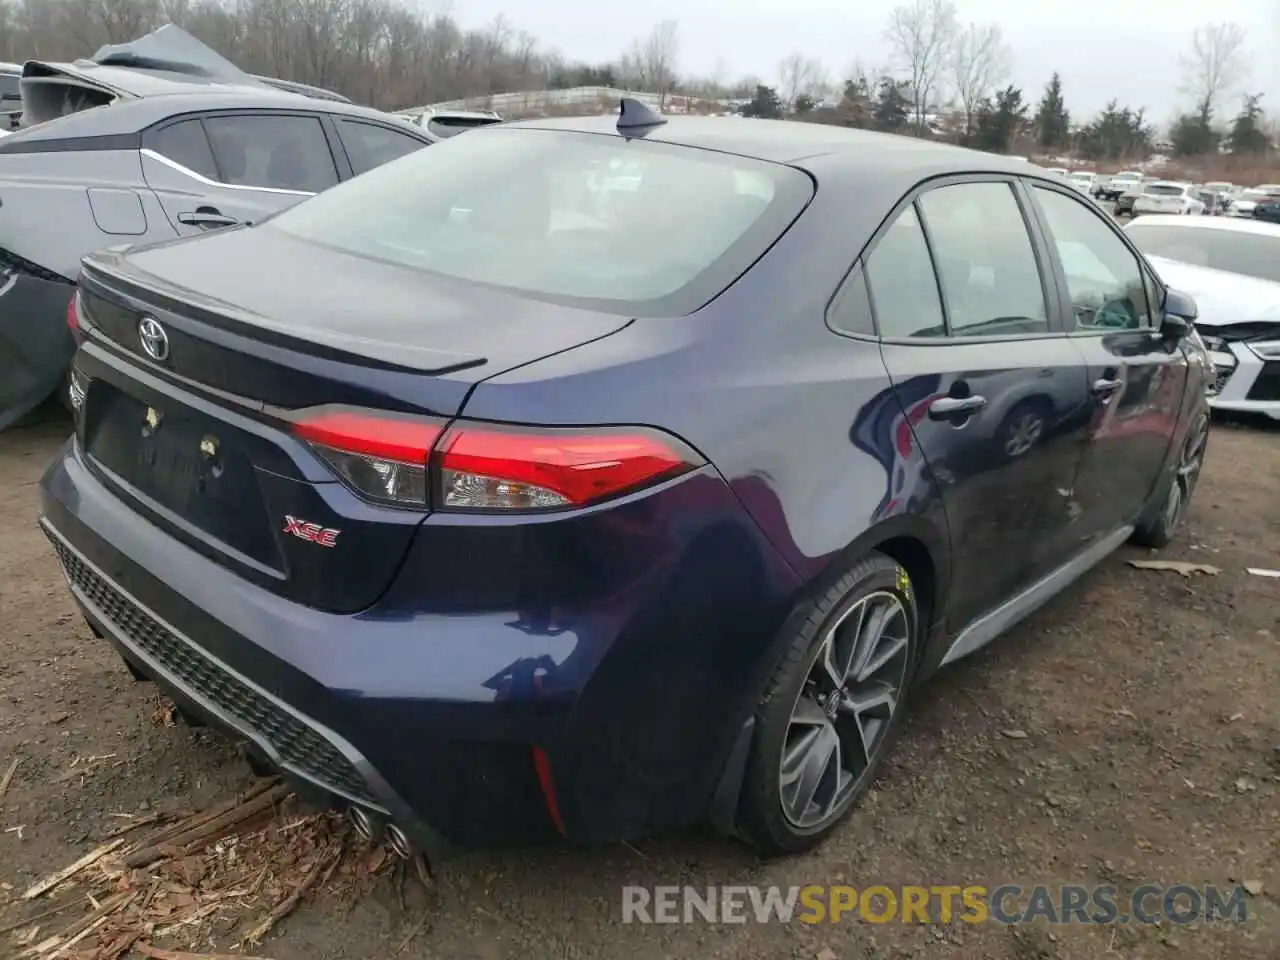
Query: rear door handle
point(944, 408)
point(1105, 388)
point(202, 218)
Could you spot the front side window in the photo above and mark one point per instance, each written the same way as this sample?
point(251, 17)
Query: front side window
point(1252, 254)
point(904, 288)
point(985, 259)
point(277, 152)
point(629, 226)
point(1104, 279)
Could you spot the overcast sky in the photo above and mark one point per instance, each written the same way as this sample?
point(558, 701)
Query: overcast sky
point(1127, 49)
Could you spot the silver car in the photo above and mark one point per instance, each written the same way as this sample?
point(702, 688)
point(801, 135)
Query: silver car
point(167, 158)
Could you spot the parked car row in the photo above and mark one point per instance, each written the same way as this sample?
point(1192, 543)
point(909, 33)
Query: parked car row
point(182, 143)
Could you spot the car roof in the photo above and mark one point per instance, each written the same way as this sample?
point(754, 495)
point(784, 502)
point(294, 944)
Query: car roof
point(127, 117)
point(135, 81)
point(1224, 224)
point(802, 145)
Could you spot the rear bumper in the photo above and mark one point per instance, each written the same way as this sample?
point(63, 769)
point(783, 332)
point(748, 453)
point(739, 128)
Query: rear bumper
point(448, 722)
point(298, 745)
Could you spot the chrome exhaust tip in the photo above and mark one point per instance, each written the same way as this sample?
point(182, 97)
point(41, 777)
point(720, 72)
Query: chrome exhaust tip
point(399, 843)
point(366, 827)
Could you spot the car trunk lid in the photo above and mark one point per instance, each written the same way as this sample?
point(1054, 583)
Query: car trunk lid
point(201, 439)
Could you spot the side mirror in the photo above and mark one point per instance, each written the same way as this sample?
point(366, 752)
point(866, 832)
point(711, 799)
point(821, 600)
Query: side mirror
point(1181, 305)
point(1174, 328)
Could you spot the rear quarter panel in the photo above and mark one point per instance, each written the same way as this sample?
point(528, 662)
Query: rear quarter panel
point(47, 215)
point(756, 382)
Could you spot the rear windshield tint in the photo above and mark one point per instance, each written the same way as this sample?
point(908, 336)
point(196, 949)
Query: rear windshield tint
point(634, 227)
point(1164, 190)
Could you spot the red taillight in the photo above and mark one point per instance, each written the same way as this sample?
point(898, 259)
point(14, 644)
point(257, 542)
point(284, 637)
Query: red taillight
point(488, 467)
point(382, 457)
point(73, 313)
point(476, 466)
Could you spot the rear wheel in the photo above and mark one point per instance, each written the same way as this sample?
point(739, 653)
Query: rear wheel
point(832, 708)
point(1166, 513)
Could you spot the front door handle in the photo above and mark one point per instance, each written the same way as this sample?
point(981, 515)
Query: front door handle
point(1105, 387)
point(207, 218)
point(945, 408)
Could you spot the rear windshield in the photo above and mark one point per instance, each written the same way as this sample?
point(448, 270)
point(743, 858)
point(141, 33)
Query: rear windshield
point(633, 227)
point(1163, 190)
point(1252, 254)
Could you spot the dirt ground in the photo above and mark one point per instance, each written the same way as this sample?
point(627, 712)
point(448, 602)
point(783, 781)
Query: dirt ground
point(1150, 705)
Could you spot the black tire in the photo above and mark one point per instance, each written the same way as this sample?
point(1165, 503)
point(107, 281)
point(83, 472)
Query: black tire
point(762, 821)
point(1160, 521)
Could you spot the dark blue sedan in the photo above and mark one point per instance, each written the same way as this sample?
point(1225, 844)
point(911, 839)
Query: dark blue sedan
point(580, 478)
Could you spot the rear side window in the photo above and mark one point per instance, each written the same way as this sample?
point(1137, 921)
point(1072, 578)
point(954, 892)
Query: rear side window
point(277, 152)
point(851, 311)
point(985, 259)
point(637, 227)
point(904, 289)
point(185, 143)
point(369, 145)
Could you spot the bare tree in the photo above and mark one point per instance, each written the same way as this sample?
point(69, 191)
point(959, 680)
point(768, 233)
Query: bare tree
point(920, 33)
point(800, 76)
point(389, 54)
point(650, 64)
point(980, 62)
point(1214, 65)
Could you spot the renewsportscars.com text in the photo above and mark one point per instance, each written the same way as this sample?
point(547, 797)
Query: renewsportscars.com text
point(1006, 904)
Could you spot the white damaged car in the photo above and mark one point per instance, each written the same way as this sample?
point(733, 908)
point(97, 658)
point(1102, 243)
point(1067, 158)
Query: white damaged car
point(1167, 196)
point(1231, 268)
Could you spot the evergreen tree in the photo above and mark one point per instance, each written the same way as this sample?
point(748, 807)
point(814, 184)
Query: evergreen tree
point(855, 107)
point(998, 121)
point(1117, 134)
point(1192, 134)
point(892, 105)
point(765, 104)
point(1052, 120)
point(1247, 134)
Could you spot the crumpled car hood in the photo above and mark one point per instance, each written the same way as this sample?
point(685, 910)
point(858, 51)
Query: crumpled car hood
point(172, 48)
point(1223, 298)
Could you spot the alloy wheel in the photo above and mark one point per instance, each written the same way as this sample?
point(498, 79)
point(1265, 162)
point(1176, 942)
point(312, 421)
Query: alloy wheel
point(1188, 471)
point(844, 710)
point(1023, 434)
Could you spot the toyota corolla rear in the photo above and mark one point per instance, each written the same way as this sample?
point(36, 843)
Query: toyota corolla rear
point(276, 506)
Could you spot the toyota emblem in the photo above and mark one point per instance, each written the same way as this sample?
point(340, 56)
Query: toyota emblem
point(154, 340)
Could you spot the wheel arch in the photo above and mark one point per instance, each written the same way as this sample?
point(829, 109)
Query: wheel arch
point(915, 542)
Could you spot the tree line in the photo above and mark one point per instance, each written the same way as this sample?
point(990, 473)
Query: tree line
point(945, 77)
point(950, 79)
